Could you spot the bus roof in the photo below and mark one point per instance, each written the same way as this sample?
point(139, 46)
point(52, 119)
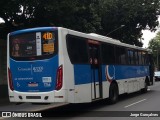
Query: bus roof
point(33, 30)
point(93, 36)
point(101, 38)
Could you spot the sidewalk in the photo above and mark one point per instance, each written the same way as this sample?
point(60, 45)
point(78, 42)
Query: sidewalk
point(5, 101)
point(29, 107)
point(4, 97)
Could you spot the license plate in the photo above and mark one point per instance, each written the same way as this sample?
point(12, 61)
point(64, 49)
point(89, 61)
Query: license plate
point(32, 84)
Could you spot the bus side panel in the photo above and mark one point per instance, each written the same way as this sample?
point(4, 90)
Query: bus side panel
point(105, 83)
point(129, 78)
point(82, 75)
point(11, 93)
point(119, 72)
point(105, 90)
point(68, 69)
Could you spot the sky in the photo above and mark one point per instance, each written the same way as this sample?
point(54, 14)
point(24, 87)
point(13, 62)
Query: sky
point(147, 35)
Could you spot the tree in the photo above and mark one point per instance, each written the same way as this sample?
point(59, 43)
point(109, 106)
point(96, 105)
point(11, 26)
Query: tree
point(9, 12)
point(154, 45)
point(80, 15)
point(136, 15)
point(98, 16)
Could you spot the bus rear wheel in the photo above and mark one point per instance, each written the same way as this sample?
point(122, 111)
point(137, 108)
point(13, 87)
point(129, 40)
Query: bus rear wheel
point(144, 90)
point(113, 93)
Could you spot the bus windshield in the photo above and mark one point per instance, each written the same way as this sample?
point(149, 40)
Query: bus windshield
point(35, 45)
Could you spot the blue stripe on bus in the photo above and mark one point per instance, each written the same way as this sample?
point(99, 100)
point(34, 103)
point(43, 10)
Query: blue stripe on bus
point(118, 72)
point(84, 75)
point(40, 29)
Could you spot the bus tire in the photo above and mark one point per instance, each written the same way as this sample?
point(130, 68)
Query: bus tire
point(113, 93)
point(144, 90)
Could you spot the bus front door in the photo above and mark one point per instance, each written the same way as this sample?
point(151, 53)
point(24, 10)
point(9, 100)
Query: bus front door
point(94, 58)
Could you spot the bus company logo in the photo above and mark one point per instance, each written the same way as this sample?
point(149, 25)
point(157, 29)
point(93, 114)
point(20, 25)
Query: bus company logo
point(110, 72)
point(38, 69)
point(24, 69)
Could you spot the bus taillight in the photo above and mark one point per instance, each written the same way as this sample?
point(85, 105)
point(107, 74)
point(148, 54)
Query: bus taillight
point(10, 79)
point(59, 78)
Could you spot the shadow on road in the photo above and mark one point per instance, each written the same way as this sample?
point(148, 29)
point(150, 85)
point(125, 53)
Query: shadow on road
point(89, 109)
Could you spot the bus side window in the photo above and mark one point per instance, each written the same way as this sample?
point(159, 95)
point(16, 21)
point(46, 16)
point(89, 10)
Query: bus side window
point(145, 57)
point(77, 49)
point(143, 62)
point(120, 55)
point(136, 58)
point(129, 57)
point(140, 58)
point(108, 53)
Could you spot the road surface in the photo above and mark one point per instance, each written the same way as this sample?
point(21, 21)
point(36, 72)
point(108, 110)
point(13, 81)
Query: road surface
point(136, 104)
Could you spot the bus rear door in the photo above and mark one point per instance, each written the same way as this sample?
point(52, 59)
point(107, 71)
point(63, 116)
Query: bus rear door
point(94, 57)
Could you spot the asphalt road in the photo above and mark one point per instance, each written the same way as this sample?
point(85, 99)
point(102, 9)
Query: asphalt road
point(137, 104)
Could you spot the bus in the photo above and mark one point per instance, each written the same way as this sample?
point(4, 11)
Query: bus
point(55, 64)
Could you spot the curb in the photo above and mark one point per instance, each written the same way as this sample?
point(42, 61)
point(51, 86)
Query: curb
point(5, 101)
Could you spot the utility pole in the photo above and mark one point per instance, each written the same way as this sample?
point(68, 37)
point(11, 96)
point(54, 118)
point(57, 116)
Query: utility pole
point(115, 29)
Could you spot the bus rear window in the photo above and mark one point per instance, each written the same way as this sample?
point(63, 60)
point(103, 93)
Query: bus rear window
point(35, 45)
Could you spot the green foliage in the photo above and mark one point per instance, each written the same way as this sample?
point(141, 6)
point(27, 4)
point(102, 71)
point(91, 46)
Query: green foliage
point(154, 45)
point(99, 16)
point(136, 15)
point(80, 15)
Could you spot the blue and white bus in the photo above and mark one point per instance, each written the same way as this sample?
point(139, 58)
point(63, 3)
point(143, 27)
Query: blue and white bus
point(55, 64)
